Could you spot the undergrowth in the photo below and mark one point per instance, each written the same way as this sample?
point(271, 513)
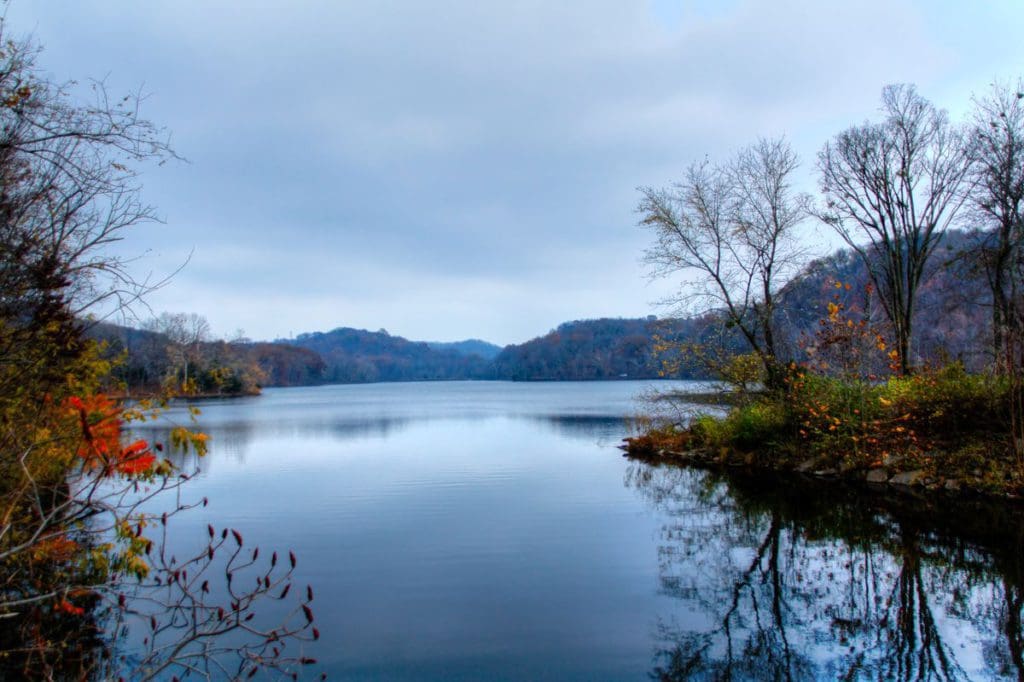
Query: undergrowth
point(943, 421)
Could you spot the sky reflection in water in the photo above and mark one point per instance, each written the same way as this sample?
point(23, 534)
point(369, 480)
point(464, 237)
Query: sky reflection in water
point(491, 530)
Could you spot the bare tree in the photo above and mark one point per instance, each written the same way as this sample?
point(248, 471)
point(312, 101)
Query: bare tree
point(78, 546)
point(70, 185)
point(186, 333)
point(897, 184)
point(997, 202)
point(74, 492)
point(196, 615)
point(729, 230)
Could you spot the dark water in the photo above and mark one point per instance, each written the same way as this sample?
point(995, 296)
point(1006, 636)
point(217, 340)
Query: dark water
point(487, 530)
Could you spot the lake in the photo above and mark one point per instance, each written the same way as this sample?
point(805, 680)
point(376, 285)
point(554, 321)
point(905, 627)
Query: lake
point(492, 530)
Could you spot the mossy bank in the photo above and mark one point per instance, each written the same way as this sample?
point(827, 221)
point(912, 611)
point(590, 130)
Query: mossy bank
point(942, 430)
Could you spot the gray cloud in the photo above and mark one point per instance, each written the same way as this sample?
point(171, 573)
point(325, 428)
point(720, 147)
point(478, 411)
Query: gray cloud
point(457, 169)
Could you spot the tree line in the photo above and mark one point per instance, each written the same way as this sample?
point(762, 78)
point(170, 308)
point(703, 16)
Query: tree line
point(903, 367)
point(175, 352)
point(891, 189)
point(951, 307)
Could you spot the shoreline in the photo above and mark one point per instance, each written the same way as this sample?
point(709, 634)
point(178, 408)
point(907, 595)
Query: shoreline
point(156, 395)
point(918, 482)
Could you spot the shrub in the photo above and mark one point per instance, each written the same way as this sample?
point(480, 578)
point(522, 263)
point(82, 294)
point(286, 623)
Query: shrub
point(756, 426)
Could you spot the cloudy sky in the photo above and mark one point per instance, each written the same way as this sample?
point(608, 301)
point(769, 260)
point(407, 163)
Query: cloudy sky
point(469, 169)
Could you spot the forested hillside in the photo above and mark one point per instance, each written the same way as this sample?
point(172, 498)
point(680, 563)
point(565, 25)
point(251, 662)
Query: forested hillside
point(954, 306)
point(953, 312)
point(596, 349)
point(146, 361)
point(488, 351)
point(360, 356)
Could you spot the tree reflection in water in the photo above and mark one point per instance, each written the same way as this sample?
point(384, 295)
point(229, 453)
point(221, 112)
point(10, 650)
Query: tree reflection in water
point(788, 580)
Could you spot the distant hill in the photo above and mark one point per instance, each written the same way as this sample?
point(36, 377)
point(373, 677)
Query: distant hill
point(582, 350)
point(488, 351)
point(952, 322)
point(952, 315)
point(608, 348)
point(576, 351)
point(360, 356)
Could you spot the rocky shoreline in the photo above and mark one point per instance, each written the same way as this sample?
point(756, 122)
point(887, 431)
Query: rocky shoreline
point(894, 474)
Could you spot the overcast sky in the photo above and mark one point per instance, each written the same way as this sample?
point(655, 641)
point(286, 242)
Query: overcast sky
point(448, 170)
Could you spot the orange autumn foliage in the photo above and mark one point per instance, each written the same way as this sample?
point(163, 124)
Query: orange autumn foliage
point(56, 549)
point(101, 421)
point(64, 606)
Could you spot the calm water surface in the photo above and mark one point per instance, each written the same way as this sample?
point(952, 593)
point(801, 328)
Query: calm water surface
point(491, 530)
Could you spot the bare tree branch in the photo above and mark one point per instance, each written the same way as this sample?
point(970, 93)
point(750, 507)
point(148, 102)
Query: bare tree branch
point(898, 185)
point(729, 231)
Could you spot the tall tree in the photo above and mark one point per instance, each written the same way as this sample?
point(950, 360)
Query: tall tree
point(74, 491)
point(897, 184)
point(728, 229)
point(997, 202)
point(186, 333)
